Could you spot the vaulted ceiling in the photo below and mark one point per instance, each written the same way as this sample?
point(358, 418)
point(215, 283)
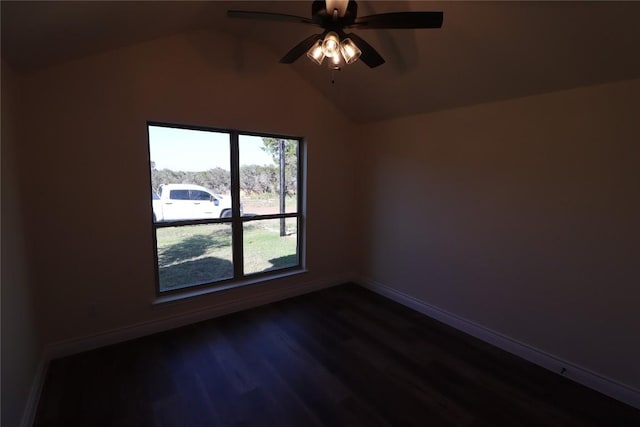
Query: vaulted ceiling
point(485, 51)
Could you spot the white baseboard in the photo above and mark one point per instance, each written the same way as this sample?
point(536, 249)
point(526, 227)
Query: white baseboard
point(114, 336)
point(607, 386)
point(262, 295)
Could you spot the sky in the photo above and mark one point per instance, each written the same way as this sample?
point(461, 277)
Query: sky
point(195, 150)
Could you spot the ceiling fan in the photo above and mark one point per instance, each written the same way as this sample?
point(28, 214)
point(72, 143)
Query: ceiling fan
point(334, 16)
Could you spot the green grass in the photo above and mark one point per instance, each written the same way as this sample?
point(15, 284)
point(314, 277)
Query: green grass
point(264, 249)
point(197, 254)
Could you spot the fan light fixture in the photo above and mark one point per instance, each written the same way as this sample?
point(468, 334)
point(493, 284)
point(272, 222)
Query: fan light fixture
point(350, 51)
point(331, 44)
point(316, 54)
point(335, 17)
point(331, 47)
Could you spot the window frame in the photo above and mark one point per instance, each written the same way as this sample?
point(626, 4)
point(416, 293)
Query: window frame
point(236, 220)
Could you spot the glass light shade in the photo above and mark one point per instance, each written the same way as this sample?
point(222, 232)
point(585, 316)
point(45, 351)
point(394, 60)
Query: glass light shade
point(331, 45)
point(316, 53)
point(350, 52)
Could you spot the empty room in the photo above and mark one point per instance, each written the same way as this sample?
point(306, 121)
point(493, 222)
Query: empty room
point(300, 213)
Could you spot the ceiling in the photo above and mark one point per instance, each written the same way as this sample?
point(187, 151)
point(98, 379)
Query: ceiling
point(485, 51)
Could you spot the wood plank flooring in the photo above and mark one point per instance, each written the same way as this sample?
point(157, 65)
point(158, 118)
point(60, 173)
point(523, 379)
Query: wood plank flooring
point(339, 357)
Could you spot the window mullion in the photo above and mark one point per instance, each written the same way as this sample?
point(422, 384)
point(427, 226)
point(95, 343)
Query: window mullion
point(236, 230)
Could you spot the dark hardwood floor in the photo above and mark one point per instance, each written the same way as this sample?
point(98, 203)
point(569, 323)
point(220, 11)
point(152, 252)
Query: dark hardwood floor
point(339, 357)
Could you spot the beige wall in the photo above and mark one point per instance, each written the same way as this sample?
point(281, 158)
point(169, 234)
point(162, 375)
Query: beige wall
point(21, 347)
point(87, 171)
point(521, 216)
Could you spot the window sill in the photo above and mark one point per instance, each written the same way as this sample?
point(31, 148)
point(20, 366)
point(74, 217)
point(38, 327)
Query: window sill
point(188, 294)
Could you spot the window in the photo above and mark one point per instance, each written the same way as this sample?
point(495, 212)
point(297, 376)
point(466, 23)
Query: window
point(201, 195)
point(179, 195)
point(227, 205)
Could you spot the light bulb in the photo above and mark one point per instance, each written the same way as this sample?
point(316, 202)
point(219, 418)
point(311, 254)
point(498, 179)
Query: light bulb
point(316, 53)
point(350, 51)
point(331, 45)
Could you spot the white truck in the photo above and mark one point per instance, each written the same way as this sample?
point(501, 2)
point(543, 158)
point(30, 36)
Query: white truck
point(188, 201)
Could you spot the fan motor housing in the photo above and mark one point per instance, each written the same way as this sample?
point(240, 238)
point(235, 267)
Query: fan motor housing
point(324, 18)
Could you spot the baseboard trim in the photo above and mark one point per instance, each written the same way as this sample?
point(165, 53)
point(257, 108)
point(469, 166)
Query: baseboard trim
point(602, 384)
point(77, 345)
point(31, 407)
point(262, 295)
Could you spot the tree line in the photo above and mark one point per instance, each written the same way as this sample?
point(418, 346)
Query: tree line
point(254, 179)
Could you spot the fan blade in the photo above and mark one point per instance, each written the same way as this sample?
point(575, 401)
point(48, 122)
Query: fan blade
point(267, 16)
point(300, 49)
point(369, 55)
point(400, 20)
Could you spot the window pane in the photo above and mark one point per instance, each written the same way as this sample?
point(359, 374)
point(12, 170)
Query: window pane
point(265, 248)
point(200, 195)
point(262, 189)
point(179, 194)
point(190, 172)
point(193, 255)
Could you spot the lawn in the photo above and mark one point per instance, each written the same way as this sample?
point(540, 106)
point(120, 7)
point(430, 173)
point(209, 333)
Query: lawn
point(197, 254)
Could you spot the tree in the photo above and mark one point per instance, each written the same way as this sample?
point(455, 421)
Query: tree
point(272, 146)
point(255, 179)
point(155, 184)
point(216, 180)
